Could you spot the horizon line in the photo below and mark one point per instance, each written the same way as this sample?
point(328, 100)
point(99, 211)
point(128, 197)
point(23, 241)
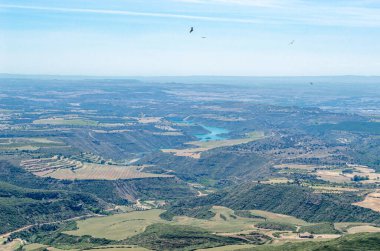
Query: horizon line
point(183, 76)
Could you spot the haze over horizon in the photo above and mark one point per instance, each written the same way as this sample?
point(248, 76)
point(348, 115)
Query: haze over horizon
point(151, 38)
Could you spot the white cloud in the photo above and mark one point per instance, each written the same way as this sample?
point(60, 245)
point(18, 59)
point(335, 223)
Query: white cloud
point(133, 13)
point(275, 12)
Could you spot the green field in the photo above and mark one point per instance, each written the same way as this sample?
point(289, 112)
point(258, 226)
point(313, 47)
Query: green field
point(224, 221)
point(119, 226)
point(27, 144)
point(280, 218)
point(122, 226)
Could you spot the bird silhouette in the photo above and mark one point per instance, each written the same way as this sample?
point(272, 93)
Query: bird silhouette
point(291, 43)
point(204, 37)
point(191, 29)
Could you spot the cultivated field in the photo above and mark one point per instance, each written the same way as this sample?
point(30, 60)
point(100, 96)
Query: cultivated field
point(337, 175)
point(27, 144)
point(371, 201)
point(67, 122)
point(45, 166)
point(333, 189)
point(68, 169)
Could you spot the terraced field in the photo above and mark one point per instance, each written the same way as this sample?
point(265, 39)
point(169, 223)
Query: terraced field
point(46, 166)
point(69, 169)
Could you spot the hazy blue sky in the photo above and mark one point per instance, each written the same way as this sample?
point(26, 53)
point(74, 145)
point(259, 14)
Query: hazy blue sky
point(150, 37)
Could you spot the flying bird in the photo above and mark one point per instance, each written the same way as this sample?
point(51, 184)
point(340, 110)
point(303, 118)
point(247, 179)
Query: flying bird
point(311, 83)
point(204, 37)
point(291, 43)
point(191, 29)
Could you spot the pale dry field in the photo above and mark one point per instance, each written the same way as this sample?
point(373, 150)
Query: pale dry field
point(102, 172)
point(371, 201)
point(34, 246)
point(76, 121)
point(337, 189)
point(149, 120)
point(333, 176)
point(190, 152)
point(297, 166)
point(277, 181)
point(294, 236)
point(363, 229)
point(13, 245)
point(338, 176)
